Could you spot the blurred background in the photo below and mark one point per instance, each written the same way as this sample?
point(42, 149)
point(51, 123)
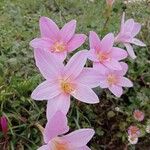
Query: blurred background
point(19, 75)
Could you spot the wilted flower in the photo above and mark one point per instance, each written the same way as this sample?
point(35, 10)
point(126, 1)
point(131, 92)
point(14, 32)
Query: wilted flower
point(4, 125)
point(55, 140)
point(138, 115)
point(132, 140)
point(148, 128)
point(57, 41)
point(134, 131)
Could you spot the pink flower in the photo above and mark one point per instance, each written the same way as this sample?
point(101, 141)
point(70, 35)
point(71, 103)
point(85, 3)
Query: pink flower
point(103, 54)
point(55, 140)
point(115, 80)
point(57, 41)
point(128, 31)
point(110, 2)
point(132, 140)
point(4, 125)
point(138, 115)
point(134, 131)
point(64, 81)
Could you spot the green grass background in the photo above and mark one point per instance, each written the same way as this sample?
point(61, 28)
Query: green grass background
point(19, 75)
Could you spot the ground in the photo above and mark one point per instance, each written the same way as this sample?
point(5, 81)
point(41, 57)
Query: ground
point(19, 75)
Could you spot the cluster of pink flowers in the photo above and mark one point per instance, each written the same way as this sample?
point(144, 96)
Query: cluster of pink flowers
point(63, 80)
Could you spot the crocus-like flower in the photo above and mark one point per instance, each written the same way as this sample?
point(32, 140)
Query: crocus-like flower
point(138, 115)
point(128, 31)
point(4, 124)
point(57, 41)
point(133, 140)
point(148, 128)
point(103, 54)
point(64, 81)
point(134, 131)
point(55, 140)
point(110, 2)
point(115, 80)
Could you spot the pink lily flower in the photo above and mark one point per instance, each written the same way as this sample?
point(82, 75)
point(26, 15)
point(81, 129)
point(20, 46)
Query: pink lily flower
point(4, 125)
point(59, 42)
point(64, 81)
point(129, 29)
point(103, 54)
point(55, 140)
point(115, 80)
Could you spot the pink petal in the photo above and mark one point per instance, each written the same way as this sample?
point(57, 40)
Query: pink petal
point(107, 42)
point(57, 125)
point(79, 138)
point(60, 56)
point(113, 64)
point(122, 22)
point(46, 90)
point(130, 50)
point(103, 84)
point(49, 66)
point(60, 102)
point(125, 82)
point(118, 53)
point(76, 41)
point(83, 148)
point(92, 55)
point(89, 77)
point(42, 43)
point(124, 69)
point(44, 147)
point(136, 29)
point(94, 40)
point(129, 25)
point(85, 94)
point(68, 31)
point(137, 42)
point(116, 90)
point(76, 64)
point(100, 68)
point(48, 28)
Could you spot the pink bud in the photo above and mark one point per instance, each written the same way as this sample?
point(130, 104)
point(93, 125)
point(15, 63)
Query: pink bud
point(138, 115)
point(4, 124)
point(110, 2)
point(133, 131)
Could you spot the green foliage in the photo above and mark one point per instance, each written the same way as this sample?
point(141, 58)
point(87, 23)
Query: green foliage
point(19, 75)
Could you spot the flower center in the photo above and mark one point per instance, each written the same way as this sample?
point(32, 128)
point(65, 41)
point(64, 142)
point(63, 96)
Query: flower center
point(58, 47)
point(67, 87)
point(103, 56)
point(60, 145)
point(112, 79)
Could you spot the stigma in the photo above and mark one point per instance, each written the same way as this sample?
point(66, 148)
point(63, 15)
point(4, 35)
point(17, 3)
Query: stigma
point(58, 47)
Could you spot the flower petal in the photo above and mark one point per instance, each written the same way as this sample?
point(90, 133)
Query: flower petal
point(79, 138)
point(94, 40)
point(129, 25)
point(118, 53)
point(124, 69)
point(68, 31)
point(76, 41)
point(57, 125)
point(46, 90)
point(136, 29)
point(92, 55)
point(100, 68)
point(76, 64)
point(44, 147)
point(83, 148)
point(85, 94)
point(60, 56)
point(58, 103)
point(125, 82)
point(116, 90)
point(47, 64)
point(113, 64)
point(137, 42)
point(107, 42)
point(48, 28)
point(89, 77)
point(130, 50)
point(103, 84)
point(42, 43)
point(122, 22)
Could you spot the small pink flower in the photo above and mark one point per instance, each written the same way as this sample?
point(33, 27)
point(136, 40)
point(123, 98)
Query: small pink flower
point(64, 81)
point(138, 115)
point(115, 80)
point(58, 41)
point(110, 2)
point(55, 140)
point(103, 54)
point(4, 125)
point(128, 31)
point(134, 131)
point(133, 140)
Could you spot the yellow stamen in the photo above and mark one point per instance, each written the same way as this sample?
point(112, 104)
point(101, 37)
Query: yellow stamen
point(67, 87)
point(58, 47)
point(103, 56)
point(112, 79)
point(60, 145)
